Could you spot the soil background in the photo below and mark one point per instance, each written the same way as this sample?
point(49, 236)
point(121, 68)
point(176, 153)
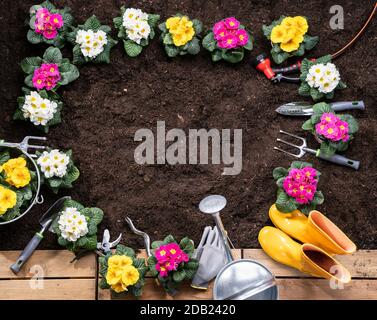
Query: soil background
point(108, 103)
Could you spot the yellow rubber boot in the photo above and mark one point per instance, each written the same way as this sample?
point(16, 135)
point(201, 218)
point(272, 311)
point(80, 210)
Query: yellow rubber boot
point(307, 258)
point(315, 229)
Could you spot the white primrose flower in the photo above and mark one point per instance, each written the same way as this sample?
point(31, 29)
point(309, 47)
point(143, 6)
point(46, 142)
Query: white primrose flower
point(53, 163)
point(38, 110)
point(324, 77)
point(91, 43)
point(72, 224)
point(136, 23)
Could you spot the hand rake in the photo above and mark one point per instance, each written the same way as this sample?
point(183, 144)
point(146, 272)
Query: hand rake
point(25, 146)
point(337, 159)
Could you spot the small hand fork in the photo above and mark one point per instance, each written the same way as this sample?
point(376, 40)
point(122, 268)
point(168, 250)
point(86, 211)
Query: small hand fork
point(25, 146)
point(337, 159)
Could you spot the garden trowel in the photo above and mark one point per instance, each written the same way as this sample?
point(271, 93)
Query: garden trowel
point(303, 108)
point(45, 221)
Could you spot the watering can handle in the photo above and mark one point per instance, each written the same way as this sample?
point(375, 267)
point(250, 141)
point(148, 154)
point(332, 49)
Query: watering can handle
point(224, 236)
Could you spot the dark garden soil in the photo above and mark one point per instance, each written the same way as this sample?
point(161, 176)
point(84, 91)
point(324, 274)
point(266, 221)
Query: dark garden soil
point(108, 103)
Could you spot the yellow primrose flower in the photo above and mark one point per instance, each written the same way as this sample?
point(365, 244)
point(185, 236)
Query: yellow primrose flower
point(19, 177)
point(113, 275)
point(298, 38)
point(119, 287)
point(172, 22)
point(11, 164)
point(130, 276)
point(179, 39)
point(291, 33)
point(119, 261)
point(290, 46)
point(279, 34)
point(302, 24)
point(8, 199)
point(289, 22)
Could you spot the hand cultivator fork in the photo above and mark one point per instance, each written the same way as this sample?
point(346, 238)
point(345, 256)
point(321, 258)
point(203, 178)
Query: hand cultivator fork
point(25, 146)
point(337, 159)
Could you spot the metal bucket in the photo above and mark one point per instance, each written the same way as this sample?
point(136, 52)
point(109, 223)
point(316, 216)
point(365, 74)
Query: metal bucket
point(37, 199)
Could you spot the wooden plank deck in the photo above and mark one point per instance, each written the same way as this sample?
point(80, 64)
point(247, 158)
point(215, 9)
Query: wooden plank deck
point(78, 280)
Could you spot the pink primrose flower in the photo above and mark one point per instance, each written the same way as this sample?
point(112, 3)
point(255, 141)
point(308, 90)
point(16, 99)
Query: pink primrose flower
point(232, 23)
point(242, 37)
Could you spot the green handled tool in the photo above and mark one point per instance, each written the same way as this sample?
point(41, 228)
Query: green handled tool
point(45, 221)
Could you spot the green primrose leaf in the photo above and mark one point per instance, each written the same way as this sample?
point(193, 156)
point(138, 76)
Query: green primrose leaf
point(209, 42)
point(304, 89)
point(153, 19)
point(315, 94)
point(318, 198)
point(326, 149)
point(310, 42)
point(285, 203)
point(132, 48)
point(308, 125)
point(216, 55)
point(34, 37)
point(233, 56)
point(179, 275)
point(171, 50)
point(169, 239)
point(92, 23)
point(53, 55)
point(279, 172)
point(193, 47)
point(28, 65)
point(197, 25)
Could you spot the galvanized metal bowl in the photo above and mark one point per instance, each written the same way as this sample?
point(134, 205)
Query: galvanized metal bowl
point(37, 199)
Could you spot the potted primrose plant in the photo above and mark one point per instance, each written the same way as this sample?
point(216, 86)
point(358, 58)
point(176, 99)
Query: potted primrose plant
point(92, 42)
point(76, 226)
point(319, 78)
point(57, 169)
point(49, 24)
point(122, 272)
point(297, 187)
point(49, 72)
point(289, 37)
point(180, 35)
point(39, 109)
point(171, 262)
point(136, 28)
point(228, 40)
point(333, 131)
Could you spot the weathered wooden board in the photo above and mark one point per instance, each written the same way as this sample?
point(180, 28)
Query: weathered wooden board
point(361, 264)
point(53, 264)
point(51, 289)
point(289, 289)
point(69, 281)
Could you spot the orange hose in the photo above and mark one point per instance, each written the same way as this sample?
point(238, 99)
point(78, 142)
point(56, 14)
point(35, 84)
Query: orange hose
point(339, 52)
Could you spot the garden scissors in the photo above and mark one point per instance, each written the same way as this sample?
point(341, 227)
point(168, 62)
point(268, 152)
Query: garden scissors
point(106, 245)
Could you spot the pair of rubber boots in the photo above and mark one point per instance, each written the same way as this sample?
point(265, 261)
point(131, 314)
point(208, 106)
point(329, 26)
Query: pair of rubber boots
point(321, 240)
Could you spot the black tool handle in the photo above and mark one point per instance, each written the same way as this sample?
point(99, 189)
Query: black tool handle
point(26, 253)
point(287, 70)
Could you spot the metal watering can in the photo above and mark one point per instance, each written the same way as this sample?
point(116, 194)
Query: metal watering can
point(239, 279)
